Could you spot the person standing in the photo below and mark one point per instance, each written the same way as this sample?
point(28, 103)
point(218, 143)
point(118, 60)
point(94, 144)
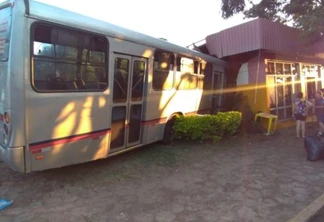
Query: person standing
point(300, 112)
point(319, 111)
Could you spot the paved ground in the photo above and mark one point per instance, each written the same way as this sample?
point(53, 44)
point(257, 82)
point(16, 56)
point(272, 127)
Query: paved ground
point(248, 178)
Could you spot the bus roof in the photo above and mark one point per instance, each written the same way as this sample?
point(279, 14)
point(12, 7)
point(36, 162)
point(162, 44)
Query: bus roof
point(61, 16)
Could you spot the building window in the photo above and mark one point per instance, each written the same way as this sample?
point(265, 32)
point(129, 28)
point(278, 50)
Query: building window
point(284, 80)
point(310, 70)
point(287, 69)
point(279, 68)
point(270, 68)
point(280, 96)
point(163, 74)
point(68, 60)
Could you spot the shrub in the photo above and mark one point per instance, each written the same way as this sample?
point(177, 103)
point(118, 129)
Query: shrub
point(207, 127)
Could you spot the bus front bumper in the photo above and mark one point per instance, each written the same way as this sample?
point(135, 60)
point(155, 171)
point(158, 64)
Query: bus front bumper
point(13, 157)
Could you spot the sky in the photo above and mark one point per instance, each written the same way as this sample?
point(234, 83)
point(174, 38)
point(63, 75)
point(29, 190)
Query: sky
point(182, 22)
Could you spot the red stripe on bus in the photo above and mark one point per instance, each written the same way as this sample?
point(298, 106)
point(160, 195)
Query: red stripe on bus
point(93, 135)
point(36, 151)
point(154, 121)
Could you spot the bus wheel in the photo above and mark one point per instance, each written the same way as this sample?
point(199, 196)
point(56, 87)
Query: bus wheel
point(168, 135)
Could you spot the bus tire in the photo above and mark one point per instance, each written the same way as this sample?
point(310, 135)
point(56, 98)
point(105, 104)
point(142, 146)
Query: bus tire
point(168, 134)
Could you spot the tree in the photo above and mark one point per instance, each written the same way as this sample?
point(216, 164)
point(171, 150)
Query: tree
point(306, 15)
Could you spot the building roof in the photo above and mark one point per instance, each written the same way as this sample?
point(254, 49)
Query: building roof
point(260, 34)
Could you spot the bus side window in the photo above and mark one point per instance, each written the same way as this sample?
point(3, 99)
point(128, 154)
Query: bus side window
point(186, 77)
point(163, 70)
point(68, 60)
point(196, 65)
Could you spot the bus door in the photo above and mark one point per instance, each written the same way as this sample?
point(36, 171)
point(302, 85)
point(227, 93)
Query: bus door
point(127, 107)
point(217, 87)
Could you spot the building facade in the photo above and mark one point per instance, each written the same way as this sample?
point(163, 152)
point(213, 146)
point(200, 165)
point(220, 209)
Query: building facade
point(269, 63)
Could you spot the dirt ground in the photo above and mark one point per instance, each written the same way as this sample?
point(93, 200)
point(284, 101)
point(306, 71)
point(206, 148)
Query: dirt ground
point(244, 178)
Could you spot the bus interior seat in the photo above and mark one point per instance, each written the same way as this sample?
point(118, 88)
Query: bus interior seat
point(71, 85)
point(45, 85)
point(80, 84)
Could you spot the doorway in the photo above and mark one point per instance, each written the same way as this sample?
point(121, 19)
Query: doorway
point(128, 97)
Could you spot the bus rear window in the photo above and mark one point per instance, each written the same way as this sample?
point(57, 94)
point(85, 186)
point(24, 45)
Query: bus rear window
point(68, 60)
point(5, 27)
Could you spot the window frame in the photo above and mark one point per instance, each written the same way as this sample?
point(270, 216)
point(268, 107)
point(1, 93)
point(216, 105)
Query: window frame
point(73, 30)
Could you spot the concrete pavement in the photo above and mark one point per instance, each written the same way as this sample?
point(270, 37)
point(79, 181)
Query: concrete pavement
point(247, 178)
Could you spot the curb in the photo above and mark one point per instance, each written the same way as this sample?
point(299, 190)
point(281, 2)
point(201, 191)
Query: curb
point(310, 211)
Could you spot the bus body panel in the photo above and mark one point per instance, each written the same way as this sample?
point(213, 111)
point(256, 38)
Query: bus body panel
point(17, 73)
point(72, 130)
point(13, 157)
point(12, 100)
point(5, 89)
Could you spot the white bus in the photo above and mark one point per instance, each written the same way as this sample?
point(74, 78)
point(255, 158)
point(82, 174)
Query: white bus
point(75, 89)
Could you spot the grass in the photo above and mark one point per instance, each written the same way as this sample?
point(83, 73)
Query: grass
point(160, 155)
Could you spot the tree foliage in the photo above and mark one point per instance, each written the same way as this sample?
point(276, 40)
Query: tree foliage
point(307, 15)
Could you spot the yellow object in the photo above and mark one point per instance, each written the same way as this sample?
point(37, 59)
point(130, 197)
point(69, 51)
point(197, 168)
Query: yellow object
point(270, 118)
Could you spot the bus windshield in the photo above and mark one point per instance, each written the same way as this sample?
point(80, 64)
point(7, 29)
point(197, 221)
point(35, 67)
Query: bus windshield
point(5, 26)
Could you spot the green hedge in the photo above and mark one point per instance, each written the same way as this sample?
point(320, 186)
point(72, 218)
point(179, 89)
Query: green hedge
point(207, 127)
